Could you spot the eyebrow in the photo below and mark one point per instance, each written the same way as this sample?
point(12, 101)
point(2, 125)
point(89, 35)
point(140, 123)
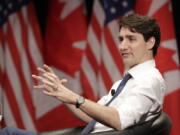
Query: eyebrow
point(128, 36)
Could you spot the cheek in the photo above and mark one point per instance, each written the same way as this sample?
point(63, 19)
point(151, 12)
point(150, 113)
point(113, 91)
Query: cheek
point(138, 50)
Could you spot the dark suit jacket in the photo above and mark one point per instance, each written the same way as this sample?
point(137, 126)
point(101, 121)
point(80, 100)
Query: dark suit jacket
point(16, 131)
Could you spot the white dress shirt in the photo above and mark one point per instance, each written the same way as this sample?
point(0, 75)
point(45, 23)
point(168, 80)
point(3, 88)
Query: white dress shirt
point(140, 100)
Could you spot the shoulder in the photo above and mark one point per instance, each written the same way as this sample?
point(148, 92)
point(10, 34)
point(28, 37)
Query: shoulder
point(150, 84)
point(151, 77)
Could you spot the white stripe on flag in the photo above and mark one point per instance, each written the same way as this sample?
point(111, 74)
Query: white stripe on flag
point(94, 43)
point(10, 121)
point(102, 88)
point(90, 74)
point(16, 85)
point(109, 63)
point(99, 13)
point(35, 53)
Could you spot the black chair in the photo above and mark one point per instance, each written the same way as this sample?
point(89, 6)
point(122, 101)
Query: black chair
point(160, 126)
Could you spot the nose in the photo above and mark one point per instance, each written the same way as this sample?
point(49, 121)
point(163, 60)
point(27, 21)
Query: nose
point(123, 45)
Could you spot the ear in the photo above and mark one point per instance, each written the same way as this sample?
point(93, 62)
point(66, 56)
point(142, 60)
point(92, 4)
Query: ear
point(150, 43)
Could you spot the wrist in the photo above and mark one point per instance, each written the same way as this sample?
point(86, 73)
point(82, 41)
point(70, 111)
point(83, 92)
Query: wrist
point(79, 101)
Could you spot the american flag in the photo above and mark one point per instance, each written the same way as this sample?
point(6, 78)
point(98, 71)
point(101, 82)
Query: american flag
point(102, 64)
point(167, 58)
point(20, 54)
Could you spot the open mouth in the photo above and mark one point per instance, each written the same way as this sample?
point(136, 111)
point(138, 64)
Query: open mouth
point(125, 54)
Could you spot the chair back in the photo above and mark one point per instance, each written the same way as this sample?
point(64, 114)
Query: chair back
point(160, 126)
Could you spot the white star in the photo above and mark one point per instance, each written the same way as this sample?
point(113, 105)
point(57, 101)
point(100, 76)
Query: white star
point(1, 8)
point(124, 3)
point(10, 5)
point(113, 10)
point(105, 5)
point(115, 0)
point(170, 7)
point(5, 12)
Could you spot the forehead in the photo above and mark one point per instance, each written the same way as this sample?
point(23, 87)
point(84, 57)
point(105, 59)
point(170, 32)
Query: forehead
point(124, 31)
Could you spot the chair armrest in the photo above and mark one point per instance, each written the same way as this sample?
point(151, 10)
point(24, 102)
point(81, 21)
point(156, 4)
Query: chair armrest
point(159, 126)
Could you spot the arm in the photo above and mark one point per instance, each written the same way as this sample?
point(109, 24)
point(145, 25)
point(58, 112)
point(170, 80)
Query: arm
point(46, 78)
point(106, 115)
point(53, 86)
point(78, 113)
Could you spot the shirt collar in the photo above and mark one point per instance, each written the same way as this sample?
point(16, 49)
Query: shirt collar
point(141, 68)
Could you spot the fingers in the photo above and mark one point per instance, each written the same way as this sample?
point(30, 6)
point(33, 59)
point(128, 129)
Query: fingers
point(49, 93)
point(41, 70)
point(49, 77)
point(50, 81)
point(47, 68)
point(44, 80)
point(47, 72)
point(39, 78)
point(39, 86)
point(47, 89)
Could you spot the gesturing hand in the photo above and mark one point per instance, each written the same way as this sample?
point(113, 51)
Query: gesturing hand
point(53, 86)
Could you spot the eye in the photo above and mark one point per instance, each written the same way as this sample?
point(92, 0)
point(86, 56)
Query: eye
point(120, 39)
point(131, 39)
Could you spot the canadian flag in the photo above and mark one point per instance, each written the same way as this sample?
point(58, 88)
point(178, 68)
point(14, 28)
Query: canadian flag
point(65, 40)
point(167, 58)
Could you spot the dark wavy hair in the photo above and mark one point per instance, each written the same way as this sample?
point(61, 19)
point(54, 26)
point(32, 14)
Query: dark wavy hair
point(144, 25)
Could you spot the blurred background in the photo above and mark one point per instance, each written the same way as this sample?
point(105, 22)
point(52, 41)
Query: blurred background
point(78, 39)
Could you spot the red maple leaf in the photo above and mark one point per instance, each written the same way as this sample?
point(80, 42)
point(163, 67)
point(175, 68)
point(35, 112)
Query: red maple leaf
point(164, 60)
point(61, 35)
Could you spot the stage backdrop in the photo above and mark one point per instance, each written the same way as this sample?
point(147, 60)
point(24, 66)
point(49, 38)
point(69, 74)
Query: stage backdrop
point(80, 43)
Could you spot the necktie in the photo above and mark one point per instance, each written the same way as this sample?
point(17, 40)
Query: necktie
point(91, 124)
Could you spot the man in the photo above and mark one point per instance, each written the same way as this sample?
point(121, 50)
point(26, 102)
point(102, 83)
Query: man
point(138, 101)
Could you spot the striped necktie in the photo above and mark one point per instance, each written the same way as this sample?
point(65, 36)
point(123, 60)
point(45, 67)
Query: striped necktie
point(91, 124)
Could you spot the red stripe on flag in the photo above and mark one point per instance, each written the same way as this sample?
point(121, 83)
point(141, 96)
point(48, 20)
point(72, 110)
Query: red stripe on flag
point(14, 106)
point(88, 92)
point(106, 77)
point(96, 27)
point(92, 60)
point(114, 50)
point(35, 26)
point(25, 43)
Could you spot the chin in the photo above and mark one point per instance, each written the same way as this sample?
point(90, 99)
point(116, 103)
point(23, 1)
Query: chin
point(128, 63)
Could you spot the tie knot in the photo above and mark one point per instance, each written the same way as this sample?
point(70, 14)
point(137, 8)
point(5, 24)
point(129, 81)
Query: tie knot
point(127, 76)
